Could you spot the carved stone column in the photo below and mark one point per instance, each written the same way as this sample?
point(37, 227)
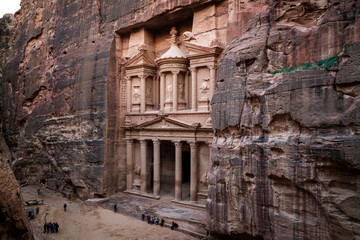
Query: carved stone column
point(187, 90)
point(143, 173)
point(142, 93)
point(162, 91)
point(212, 80)
point(175, 90)
point(178, 170)
point(129, 164)
point(194, 180)
point(156, 143)
point(193, 89)
point(210, 145)
point(129, 94)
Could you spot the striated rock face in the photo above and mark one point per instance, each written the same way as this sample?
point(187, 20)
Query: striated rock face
point(62, 98)
point(13, 220)
point(285, 159)
point(7, 23)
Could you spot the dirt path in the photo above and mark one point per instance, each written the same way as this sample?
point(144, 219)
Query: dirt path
point(85, 222)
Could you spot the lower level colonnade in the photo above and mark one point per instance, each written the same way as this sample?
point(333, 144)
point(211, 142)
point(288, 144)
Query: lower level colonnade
point(152, 166)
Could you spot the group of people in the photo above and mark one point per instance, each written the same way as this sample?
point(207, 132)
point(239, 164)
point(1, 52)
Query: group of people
point(51, 227)
point(152, 220)
point(31, 214)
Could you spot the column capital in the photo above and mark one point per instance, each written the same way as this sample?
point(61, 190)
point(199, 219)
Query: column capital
point(143, 76)
point(177, 143)
point(156, 141)
point(175, 72)
point(143, 142)
point(193, 144)
point(212, 66)
point(209, 144)
point(192, 69)
point(129, 141)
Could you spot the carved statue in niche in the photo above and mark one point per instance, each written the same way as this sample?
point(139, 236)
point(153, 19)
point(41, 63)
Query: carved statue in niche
point(181, 89)
point(149, 93)
point(204, 86)
point(136, 94)
point(137, 169)
point(169, 91)
point(204, 180)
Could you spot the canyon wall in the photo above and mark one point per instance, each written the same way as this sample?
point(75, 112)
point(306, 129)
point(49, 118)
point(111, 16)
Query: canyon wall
point(285, 158)
point(13, 220)
point(284, 161)
point(63, 91)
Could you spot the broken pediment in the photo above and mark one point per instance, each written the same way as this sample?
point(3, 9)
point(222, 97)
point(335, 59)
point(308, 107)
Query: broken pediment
point(140, 60)
point(197, 50)
point(165, 123)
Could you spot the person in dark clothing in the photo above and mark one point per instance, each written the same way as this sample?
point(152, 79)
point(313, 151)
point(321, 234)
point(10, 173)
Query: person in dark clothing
point(51, 227)
point(174, 225)
point(142, 216)
point(37, 211)
point(65, 207)
point(56, 225)
point(115, 207)
point(48, 226)
point(44, 226)
point(162, 222)
point(148, 219)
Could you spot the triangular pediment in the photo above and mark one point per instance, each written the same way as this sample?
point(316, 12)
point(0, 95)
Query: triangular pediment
point(165, 123)
point(140, 60)
point(195, 50)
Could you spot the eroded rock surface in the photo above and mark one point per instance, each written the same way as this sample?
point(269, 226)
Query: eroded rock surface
point(63, 98)
point(285, 159)
point(13, 220)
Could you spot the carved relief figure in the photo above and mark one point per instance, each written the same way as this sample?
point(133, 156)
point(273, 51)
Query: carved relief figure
point(204, 180)
point(149, 93)
point(188, 36)
point(181, 86)
point(169, 91)
point(136, 94)
point(137, 169)
point(204, 86)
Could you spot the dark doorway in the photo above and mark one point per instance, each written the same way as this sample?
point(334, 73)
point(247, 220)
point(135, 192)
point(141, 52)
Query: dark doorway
point(167, 166)
point(185, 175)
point(185, 167)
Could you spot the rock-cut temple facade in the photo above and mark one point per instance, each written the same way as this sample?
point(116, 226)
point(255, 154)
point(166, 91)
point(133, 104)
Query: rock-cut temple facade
point(167, 124)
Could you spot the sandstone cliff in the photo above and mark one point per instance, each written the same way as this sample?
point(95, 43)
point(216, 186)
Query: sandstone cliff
point(285, 159)
point(62, 98)
point(285, 162)
point(13, 220)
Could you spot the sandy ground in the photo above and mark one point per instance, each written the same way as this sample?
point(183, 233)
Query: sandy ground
point(82, 221)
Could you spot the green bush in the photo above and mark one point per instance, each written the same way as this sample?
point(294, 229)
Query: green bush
point(322, 64)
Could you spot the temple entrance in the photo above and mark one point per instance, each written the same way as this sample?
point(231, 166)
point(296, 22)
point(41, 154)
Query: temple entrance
point(185, 174)
point(167, 166)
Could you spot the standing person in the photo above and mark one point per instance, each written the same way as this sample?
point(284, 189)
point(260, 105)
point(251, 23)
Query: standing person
point(37, 211)
point(115, 207)
point(44, 226)
point(143, 216)
point(48, 227)
point(56, 225)
point(162, 222)
point(65, 207)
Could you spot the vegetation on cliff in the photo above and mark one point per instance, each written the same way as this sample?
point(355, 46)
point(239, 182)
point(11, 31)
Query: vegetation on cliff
point(321, 64)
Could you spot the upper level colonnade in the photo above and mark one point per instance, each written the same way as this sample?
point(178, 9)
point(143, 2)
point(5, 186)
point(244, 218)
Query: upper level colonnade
point(173, 82)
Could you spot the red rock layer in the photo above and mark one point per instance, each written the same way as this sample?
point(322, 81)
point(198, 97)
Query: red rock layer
point(285, 159)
